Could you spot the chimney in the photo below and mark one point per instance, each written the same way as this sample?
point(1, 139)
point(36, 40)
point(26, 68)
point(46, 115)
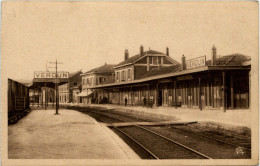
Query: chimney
point(126, 54)
point(183, 60)
point(141, 50)
point(214, 55)
point(167, 51)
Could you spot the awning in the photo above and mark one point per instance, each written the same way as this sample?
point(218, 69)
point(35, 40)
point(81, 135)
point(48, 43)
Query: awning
point(85, 94)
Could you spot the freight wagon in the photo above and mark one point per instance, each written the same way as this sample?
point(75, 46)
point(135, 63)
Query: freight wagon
point(18, 101)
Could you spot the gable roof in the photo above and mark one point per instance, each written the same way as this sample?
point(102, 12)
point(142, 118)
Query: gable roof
point(75, 73)
point(136, 57)
point(161, 70)
point(107, 68)
point(231, 60)
point(25, 82)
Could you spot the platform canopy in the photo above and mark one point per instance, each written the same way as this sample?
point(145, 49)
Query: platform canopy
point(48, 79)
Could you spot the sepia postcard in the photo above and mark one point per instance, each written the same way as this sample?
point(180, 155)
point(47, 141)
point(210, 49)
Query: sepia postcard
point(129, 83)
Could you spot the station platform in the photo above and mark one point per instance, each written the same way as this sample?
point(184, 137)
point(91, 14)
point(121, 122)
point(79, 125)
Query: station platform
point(238, 117)
point(70, 135)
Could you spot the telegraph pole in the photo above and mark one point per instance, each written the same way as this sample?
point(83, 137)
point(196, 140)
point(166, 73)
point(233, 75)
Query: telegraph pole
point(56, 86)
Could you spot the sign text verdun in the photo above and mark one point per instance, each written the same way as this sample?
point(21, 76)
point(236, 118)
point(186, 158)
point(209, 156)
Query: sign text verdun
point(197, 62)
point(44, 74)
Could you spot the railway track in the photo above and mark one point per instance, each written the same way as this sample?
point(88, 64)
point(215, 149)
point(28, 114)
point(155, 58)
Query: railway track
point(238, 144)
point(158, 146)
point(233, 140)
point(210, 147)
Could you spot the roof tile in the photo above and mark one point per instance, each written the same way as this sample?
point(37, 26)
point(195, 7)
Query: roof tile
point(107, 68)
point(230, 60)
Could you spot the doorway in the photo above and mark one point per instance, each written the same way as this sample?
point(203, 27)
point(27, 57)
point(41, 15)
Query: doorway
point(160, 97)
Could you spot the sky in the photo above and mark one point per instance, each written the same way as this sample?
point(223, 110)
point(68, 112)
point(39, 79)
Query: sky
point(85, 35)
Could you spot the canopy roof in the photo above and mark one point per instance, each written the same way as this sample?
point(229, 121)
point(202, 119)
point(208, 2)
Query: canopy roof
point(47, 82)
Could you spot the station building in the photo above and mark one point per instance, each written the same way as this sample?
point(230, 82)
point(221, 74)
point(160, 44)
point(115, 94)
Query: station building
point(98, 76)
point(219, 83)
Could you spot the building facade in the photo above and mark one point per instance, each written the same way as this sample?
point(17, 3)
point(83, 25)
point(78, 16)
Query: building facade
point(68, 92)
point(64, 93)
point(98, 76)
point(219, 83)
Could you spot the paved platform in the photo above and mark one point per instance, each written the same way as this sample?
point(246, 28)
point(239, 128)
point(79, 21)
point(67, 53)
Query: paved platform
point(70, 135)
point(236, 117)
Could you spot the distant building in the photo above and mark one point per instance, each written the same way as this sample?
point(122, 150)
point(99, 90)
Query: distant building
point(68, 92)
point(64, 93)
point(75, 86)
point(97, 76)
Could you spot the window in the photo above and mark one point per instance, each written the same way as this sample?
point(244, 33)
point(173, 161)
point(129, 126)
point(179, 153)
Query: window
point(117, 75)
point(75, 83)
point(87, 81)
point(155, 60)
point(123, 75)
point(129, 73)
point(159, 60)
point(150, 59)
point(91, 81)
point(97, 81)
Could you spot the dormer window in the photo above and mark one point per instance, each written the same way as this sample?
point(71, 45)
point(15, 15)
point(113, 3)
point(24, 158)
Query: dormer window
point(159, 60)
point(155, 60)
point(151, 60)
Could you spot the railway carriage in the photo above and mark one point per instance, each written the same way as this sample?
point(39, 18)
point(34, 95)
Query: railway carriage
point(18, 100)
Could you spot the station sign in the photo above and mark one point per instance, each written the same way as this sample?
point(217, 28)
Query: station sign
point(196, 62)
point(46, 74)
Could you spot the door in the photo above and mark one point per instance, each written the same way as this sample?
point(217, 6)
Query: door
point(160, 98)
